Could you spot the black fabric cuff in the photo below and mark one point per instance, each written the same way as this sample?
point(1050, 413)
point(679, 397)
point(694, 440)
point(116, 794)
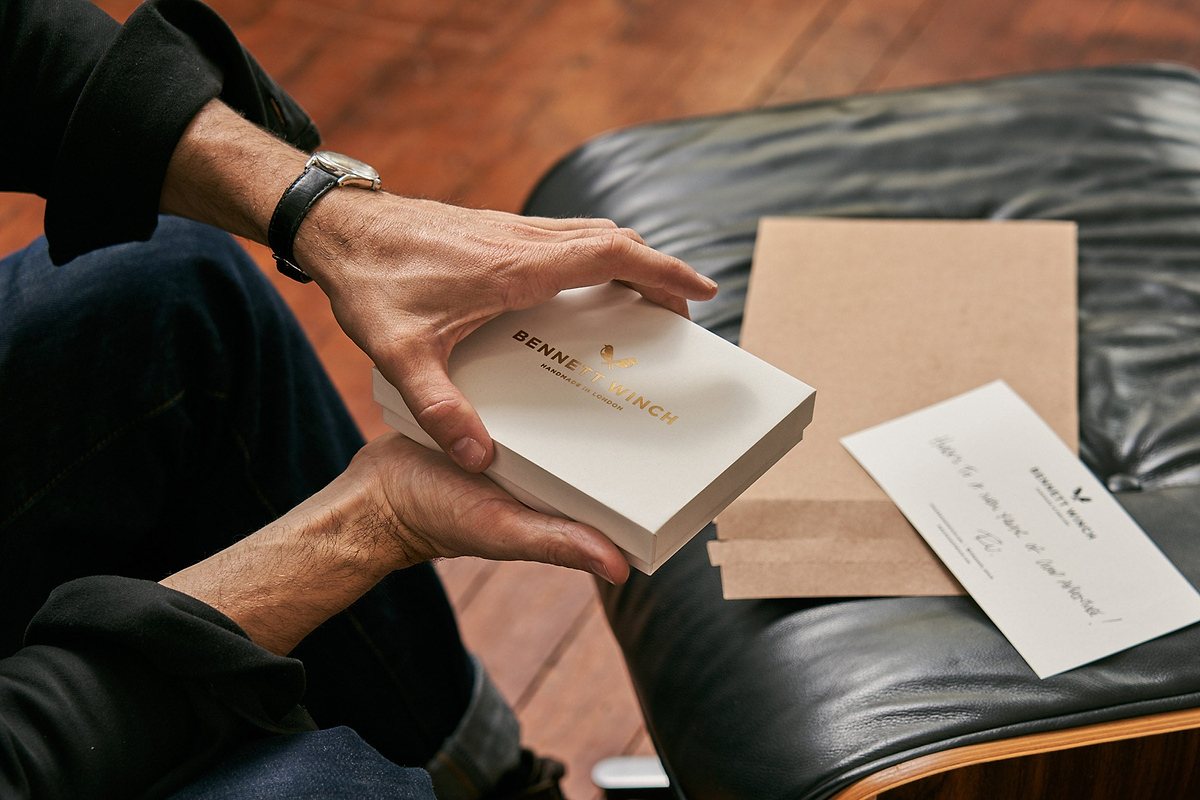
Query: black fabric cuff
point(179, 636)
point(48, 49)
point(170, 58)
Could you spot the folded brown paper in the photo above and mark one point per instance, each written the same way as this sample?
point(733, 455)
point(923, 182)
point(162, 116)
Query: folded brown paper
point(830, 567)
point(886, 317)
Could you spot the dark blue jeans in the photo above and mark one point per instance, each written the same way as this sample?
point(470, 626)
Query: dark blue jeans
point(159, 402)
point(322, 765)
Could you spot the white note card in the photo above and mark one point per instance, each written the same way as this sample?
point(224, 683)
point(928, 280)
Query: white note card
point(1055, 561)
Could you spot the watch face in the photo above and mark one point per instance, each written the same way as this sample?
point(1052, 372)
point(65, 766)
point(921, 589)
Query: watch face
point(349, 170)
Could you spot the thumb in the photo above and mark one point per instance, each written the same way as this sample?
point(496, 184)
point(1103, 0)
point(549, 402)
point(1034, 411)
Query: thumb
point(445, 414)
point(529, 535)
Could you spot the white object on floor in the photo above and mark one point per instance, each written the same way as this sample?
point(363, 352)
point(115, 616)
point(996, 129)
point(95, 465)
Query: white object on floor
point(630, 772)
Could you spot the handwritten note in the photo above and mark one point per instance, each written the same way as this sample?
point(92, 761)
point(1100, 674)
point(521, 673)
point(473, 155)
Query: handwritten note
point(1036, 539)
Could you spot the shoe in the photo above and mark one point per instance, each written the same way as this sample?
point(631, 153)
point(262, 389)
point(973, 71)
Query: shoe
point(534, 778)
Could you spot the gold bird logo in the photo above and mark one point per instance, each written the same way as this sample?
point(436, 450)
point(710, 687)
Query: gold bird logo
point(606, 353)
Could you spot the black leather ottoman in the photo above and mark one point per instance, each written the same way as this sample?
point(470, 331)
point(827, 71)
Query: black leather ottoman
point(802, 698)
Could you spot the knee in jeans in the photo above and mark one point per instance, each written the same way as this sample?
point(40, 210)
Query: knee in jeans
point(183, 262)
point(126, 307)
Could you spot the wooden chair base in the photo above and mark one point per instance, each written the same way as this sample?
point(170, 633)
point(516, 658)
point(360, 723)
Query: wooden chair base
point(1149, 757)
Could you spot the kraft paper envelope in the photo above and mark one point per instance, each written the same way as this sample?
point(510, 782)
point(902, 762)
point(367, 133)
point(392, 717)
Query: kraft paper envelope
point(886, 317)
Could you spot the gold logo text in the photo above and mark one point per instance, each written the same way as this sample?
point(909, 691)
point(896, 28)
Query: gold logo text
point(625, 394)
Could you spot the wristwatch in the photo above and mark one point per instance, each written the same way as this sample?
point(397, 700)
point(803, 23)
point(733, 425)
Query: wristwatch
point(323, 171)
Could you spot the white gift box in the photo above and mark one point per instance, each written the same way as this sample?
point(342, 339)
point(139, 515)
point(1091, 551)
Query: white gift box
point(610, 410)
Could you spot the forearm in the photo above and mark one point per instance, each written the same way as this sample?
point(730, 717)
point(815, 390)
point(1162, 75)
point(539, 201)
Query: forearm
point(282, 582)
point(99, 105)
point(397, 504)
point(228, 172)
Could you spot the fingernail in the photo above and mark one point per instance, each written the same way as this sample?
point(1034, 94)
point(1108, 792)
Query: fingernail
point(600, 571)
point(468, 452)
point(709, 282)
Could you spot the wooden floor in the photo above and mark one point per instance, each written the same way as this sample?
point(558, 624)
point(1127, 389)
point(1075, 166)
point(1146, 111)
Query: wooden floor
point(469, 101)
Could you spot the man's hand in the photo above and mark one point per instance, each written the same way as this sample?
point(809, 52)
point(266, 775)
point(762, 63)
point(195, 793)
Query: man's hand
point(439, 511)
point(397, 504)
point(416, 277)
point(409, 279)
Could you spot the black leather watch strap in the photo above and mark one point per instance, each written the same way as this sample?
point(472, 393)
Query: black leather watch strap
point(293, 206)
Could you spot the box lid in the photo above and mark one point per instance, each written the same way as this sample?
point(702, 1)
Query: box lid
point(619, 413)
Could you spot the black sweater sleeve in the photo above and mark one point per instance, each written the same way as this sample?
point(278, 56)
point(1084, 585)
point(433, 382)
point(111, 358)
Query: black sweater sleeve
point(94, 109)
point(128, 689)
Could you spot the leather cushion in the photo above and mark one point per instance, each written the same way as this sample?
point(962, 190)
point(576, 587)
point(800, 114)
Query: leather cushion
point(798, 698)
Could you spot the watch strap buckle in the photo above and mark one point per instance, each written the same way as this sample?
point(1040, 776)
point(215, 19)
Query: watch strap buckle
point(291, 270)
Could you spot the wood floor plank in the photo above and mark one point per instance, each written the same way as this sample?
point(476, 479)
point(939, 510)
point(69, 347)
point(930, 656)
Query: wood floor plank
point(311, 59)
point(20, 221)
point(588, 62)
point(1056, 34)
point(585, 710)
point(1150, 30)
point(744, 52)
point(119, 9)
point(283, 43)
point(517, 622)
point(842, 58)
point(482, 113)
point(640, 745)
point(458, 106)
point(634, 77)
point(464, 578)
point(961, 41)
point(242, 14)
point(639, 74)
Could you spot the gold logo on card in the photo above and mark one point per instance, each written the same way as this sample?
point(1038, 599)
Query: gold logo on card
point(610, 361)
point(576, 373)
